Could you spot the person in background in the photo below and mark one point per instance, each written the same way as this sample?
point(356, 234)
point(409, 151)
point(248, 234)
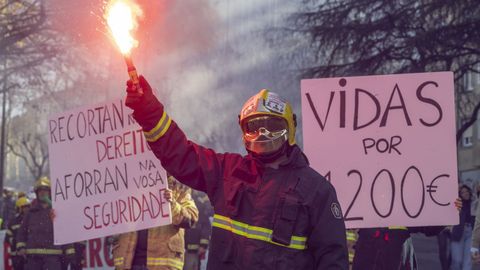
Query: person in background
point(159, 248)
point(75, 262)
point(408, 258)
point(35, 235)
point(21, 194)
point(462, 233)
point(22, 205)
point(444, 254)
point(197, 238)
point(383, 248)
point(9, 210)
point(474, 250)
point(352, 236)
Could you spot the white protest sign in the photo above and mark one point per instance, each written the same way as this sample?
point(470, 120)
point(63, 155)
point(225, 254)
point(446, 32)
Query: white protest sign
point(105, 180)
point(387, 144)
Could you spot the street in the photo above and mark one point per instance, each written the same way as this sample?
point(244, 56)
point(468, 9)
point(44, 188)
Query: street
point(426, 250)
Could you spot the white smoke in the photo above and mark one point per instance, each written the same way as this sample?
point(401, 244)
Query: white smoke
point(205, 58)
point(208, 82)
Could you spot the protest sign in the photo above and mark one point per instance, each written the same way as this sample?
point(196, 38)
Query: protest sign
point(105, 179)
point(98, 255)
point(387, 144)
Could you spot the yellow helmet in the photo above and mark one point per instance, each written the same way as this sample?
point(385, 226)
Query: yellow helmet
point(42, 182)
point(269, 104)
point(23, 201)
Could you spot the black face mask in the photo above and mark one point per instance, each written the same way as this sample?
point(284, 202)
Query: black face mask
point(271, 157)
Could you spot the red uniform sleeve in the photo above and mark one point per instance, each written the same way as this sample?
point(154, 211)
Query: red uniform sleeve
point(195, 166)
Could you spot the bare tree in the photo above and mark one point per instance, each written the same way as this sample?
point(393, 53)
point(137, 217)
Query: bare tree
point(26, 43)
point(352, 37)
point(32, 149)
point(25, 39)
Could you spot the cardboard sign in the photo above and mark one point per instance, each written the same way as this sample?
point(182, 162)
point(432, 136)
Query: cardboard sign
point(387, 144)
point(105, 180)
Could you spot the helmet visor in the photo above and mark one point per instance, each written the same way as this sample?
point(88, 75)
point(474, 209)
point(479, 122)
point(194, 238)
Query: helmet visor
point(265, 134)
point(272, 124)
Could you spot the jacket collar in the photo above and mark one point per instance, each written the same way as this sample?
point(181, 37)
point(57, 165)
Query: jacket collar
point(37, 206)
point(295, 159)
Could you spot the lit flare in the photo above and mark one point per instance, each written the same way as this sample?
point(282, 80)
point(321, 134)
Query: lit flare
point(121, 16)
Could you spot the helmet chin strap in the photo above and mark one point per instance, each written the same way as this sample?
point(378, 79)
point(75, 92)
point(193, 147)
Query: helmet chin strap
point(271, 157)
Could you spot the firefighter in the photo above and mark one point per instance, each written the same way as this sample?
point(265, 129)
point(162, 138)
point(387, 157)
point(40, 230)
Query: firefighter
point(351, 240)
point(159, 248)
point(9, 210)
point(35, 235)
point(22, 205)
point(198, 237)
point(77, 261)
point(272, 210)
point(389, 248)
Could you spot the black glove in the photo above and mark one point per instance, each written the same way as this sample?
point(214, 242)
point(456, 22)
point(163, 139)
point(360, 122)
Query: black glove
point(136, 100)
point(145, 106)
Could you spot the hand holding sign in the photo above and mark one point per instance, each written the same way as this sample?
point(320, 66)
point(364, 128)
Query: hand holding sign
point(168, 194)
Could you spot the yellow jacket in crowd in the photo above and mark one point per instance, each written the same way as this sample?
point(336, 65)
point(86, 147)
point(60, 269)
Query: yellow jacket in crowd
point(165, 248)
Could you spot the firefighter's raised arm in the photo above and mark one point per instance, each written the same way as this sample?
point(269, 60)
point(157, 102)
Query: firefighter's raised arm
point(190, 163)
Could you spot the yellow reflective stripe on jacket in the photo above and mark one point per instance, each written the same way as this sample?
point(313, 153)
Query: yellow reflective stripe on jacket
point(9, 232)
point(44, 251)
point(21, 244)
point(118, 261)
point(69, 251)
point(16, 226)
point(351, 236)
point(160, 129)
point(397, 228)
point(254, 232)
point(351, 239)
point(204, 241)
point(351, 255)
point(176, 263)
point(192, 246)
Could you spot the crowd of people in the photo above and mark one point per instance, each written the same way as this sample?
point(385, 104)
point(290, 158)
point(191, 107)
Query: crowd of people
point(181, 245)
point(392, 247)
point(171, 247)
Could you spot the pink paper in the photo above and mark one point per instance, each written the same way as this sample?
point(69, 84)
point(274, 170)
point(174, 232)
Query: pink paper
point(397, 129)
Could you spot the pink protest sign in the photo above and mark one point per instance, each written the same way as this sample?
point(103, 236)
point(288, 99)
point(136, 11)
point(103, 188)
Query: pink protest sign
point(105, 179)
point(387, 144)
